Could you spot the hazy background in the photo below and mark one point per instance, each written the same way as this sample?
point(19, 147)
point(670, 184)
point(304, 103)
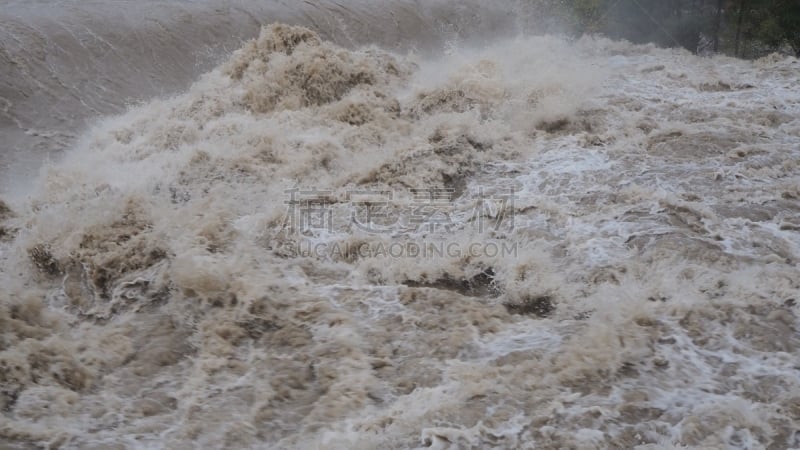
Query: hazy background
point(63, 62)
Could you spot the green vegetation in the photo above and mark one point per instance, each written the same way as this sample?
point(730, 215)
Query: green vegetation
point(743, 28)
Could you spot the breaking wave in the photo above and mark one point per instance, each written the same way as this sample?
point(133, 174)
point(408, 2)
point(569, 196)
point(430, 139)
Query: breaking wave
point(154, 295)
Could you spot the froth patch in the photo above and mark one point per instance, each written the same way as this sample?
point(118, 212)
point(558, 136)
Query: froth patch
point(6, 214)
point(452, 156)
point(30, 356)
point(277, 38)
point(290, 67)
point(5, 211)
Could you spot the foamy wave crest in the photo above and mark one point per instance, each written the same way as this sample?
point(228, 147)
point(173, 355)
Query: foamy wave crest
point(575, 267)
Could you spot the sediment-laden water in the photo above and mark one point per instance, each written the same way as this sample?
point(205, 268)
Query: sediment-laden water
point(527, 242)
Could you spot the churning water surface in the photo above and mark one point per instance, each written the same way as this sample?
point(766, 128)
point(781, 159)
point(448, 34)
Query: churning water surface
point(390, 225)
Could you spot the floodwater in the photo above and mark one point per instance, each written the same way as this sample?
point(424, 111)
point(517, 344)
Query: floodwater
point(443, 233)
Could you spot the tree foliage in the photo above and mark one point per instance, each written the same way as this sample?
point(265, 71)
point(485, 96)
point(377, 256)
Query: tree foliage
point(745, 28)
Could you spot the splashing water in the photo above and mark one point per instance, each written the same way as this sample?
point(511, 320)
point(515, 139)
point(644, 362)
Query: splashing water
point(645, 294)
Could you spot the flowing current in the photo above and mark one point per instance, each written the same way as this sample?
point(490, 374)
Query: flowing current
point(390, 226)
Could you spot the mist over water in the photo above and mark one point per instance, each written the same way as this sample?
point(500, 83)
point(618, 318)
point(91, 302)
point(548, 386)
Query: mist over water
point(65, 63)
point(247, 257)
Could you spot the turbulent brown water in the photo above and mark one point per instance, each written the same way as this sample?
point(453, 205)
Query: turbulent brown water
point(523, 243)
point(65, 62)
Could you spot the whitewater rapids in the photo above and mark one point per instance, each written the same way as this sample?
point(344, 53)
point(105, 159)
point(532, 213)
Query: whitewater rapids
point(151, 297)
